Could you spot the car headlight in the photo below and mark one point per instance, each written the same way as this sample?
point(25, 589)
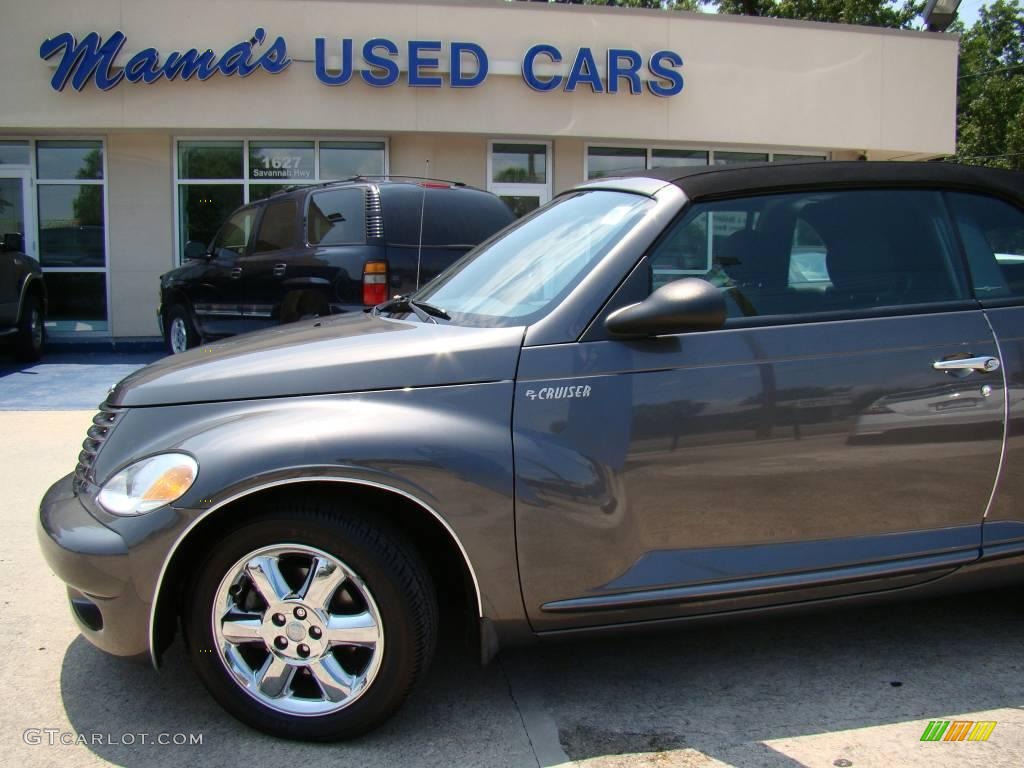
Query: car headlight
point(147, 484)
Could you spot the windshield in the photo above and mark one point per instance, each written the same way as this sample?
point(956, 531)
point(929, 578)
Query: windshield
point(522, 275)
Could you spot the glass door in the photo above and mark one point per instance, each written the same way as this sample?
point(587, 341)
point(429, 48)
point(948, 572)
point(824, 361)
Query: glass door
point(15, 212)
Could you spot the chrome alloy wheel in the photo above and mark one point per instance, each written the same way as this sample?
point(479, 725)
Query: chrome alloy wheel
point(178, 335)
point(297, 630)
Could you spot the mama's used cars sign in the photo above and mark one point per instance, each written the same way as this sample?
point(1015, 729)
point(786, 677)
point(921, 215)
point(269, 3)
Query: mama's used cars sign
point(92, 59)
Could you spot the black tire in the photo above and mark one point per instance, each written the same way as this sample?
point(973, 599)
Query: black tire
point(389, 568)
point(28, 344)
point(176, 313)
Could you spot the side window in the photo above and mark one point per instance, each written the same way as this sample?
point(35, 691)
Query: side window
point(993, 235)
point(235, 233)
point(277, 229)
point(337, 217)
point(817, 252)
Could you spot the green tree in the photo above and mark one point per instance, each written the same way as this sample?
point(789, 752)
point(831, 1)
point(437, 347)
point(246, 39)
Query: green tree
point(872, 13)
point(990, 96)
point(875, 13)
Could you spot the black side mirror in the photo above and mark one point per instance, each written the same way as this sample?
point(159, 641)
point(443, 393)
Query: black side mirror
point(195, 250)
point(14, 242)
point(690, 304)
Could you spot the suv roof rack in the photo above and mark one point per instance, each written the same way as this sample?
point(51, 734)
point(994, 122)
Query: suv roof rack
point(365, 177)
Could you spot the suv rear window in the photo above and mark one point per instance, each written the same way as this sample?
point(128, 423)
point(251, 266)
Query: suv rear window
point(461, 218)
point(337, 217)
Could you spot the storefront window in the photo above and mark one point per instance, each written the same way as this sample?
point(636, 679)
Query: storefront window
point(519, 163)
point(780, 157)
point(677, 158)
point(342, 159)
point(731, 158)
point(71, 225)
point(14, 153)
point(204, 207)
point(209, 160)
point(217, 176)
point(281, 160)
point(72, 233)
point(518, 174)
point(608, 161)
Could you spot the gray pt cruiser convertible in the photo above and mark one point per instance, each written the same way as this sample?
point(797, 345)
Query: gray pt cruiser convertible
point(661, 398)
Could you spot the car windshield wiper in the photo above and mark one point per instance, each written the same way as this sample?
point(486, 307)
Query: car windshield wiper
point(425, 312)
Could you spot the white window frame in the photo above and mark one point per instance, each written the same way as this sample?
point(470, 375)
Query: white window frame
point(33, 215)
point(245, 181)
point(518, 189)
point(770, 152)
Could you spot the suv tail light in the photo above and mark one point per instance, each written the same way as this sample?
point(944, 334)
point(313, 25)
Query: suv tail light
point(375, 283)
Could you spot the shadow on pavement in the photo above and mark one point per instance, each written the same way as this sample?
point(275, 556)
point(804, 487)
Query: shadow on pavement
point(66, 380)
point(720, 691)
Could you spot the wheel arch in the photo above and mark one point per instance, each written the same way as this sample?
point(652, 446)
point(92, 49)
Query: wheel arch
point(33, 286)
point(436, 542)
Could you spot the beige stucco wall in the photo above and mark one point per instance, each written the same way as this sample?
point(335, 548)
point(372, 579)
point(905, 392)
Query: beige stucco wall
point(748, 81)
point(140, 229)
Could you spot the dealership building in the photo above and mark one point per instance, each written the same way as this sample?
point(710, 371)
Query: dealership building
point(130, 127)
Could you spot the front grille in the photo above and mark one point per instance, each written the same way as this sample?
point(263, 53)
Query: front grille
point(97, 434)
point(374, 219)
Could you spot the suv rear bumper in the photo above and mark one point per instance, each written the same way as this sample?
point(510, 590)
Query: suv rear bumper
point(92, 560)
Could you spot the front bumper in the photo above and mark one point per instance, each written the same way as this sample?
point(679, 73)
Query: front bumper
point(93, 561)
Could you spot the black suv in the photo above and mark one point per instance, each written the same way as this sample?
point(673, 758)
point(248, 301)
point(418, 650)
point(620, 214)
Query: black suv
point(22, 299)
point(320, 250)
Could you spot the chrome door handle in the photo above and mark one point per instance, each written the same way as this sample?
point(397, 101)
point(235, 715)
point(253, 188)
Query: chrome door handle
point(279, 270)
point(236, 273)
point(985, 364)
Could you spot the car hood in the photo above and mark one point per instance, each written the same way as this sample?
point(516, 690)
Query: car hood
point(345, 353)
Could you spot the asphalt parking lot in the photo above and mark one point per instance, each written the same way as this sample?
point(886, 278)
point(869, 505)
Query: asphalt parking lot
point(852, 688)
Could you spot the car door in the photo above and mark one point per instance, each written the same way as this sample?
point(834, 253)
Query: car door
point(992, 231)
point(217, 293)
point(272, 264)
point(10, 289)
point(812, 448)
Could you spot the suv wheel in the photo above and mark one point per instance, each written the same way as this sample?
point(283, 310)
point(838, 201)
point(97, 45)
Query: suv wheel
point(311, 625)
point(179, 332)
point(31, 331)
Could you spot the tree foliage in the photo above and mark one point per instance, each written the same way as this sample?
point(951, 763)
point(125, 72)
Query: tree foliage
point(990, 97)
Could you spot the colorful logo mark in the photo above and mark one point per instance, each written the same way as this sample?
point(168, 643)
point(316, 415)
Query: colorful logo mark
point(958, 730)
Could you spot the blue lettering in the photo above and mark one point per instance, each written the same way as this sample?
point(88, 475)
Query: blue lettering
point(390, 74)
point(458, 80)
point(665, 74)
point(344, 74)
point(236, 60)
point(82, 61)
point(631, 71)
point(190, 63)
point(528, 63)
point(584, 70)
point(144, 66)
point(416, 60)
point(275, 60)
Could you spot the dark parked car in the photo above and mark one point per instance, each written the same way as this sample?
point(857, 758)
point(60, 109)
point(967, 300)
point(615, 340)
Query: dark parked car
point(22, 299)
point(321, 250)
point(627, 410)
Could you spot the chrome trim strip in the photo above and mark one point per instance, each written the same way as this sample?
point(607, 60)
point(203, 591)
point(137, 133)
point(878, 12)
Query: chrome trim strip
point(1006, 419)
point(310, 478)
point(652, 598)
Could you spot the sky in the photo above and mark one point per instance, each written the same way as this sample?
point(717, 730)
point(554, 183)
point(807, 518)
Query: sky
point(968, 11)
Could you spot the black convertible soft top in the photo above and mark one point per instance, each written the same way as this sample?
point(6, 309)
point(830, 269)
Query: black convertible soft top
point(709, 182)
